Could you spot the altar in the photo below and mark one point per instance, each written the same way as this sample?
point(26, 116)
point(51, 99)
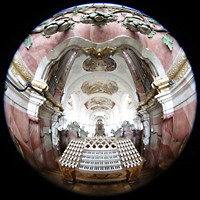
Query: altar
point(101, 159)
point(99, 130)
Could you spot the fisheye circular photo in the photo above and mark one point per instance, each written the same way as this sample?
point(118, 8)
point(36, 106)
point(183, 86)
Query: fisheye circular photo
point(100, 99)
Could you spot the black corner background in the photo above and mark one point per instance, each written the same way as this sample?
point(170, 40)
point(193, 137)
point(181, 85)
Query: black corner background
point(19, 18)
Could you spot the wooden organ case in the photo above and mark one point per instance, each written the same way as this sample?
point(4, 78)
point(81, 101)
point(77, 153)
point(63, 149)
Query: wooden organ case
point(100, 159)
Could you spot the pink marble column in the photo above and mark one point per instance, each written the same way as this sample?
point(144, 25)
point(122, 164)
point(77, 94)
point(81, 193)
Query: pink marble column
point(34, 135)
point(128, 134)
point(71, 135)
point(167, 131)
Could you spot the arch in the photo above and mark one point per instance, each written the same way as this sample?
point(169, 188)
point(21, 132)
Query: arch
point(99, 117)
point(103, 111)
point(123, 84)
point(100, 106)
point(78, 42)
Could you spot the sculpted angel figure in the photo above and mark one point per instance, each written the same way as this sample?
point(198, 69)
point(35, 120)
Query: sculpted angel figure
point(146, 133)
point(55, 136)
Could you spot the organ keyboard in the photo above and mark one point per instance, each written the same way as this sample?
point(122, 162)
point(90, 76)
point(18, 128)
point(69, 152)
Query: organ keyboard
point(101, 158)
point(119, 167)
point(100, 161)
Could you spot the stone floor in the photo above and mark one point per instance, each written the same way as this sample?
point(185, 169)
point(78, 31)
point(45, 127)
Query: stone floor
point(55, 176)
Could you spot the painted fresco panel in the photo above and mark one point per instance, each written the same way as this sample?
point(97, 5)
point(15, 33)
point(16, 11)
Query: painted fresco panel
point(99, 102)
point(92, 65)
point(99, 86)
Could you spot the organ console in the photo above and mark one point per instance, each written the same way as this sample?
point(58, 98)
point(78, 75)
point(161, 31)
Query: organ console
point(100, 159)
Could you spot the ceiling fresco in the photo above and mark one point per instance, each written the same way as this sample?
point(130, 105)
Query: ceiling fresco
point(99, 108)
point(92, 65)
point(99, 103)
point(99, 86)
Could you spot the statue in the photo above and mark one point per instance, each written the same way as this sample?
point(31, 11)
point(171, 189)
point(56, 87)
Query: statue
point(55, 136)
point(89, 134)
point(111, 134)
point(82, 133)
point(118, 133)
point(146, 133)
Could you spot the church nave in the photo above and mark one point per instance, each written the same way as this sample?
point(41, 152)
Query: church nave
point(99, 94)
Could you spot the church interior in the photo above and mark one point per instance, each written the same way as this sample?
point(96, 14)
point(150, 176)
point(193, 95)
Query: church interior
point(100, 99)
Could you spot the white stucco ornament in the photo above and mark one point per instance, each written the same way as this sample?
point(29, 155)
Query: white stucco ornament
point(55, 136)
point(146, 133)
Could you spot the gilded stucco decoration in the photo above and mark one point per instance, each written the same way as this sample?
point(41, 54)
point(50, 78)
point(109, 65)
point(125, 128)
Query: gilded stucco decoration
point(99, 15)
point(181, 72)
point(99, 86)
point(99, 103)
point(18, 68)
point(159, 85)
point(43, 88)
point(99, 54)
point(148, 100)
point(179, 68)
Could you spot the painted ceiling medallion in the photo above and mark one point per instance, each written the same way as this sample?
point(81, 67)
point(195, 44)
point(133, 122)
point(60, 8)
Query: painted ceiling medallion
point(99, 103)
point(99, 86)
point(106, 65)
point(99, 54)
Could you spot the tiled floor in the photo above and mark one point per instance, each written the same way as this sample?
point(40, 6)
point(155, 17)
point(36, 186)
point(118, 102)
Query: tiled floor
point(89, 189)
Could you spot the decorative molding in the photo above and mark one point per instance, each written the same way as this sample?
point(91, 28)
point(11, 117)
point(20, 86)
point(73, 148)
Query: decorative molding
point(181, 72)
point(99, 15)
point(168, 41)
point(177, 65)
point(28, 42)
point(185, 91)
point(38, 107)
point(55, 26)
point(120, 42)
point(43, 88)
point(99, 54)
point(49, 112)
point(21, 99)
point(144, 115)
point(35, 101)
point(165, 99)
point(160, 83)
point(98, 18)
point(160, 92)
point(56, 104)
point(148, 100)
point(40, 85)
point(19, 69)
